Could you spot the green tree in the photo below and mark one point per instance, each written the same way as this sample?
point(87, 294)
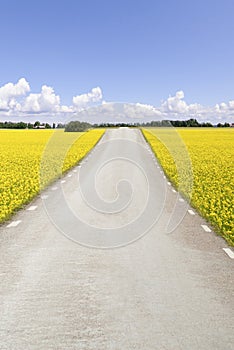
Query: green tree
point(37, 124)
point(77, 126)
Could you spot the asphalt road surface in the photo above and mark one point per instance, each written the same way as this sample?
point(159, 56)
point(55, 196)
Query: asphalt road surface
point(112, 257)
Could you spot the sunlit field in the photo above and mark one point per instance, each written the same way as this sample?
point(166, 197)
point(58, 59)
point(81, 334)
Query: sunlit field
point(31, 159)
point(209, 182)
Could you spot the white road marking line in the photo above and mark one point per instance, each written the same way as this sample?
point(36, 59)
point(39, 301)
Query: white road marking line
point(63, 181)
point(229, 252)
point(206, 228)
point(44, 196)
point(54, 188)
point(70, 175)
point(191, 212)
point(33, 207)
point(169, 183)
point(181, 199)
point(173, 190)
point(75, 171)
point(14, 223)
point(161, 171)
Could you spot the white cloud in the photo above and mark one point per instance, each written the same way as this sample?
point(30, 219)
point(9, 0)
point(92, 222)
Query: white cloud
point(140, 111)
point(224, 112)
point(16, 101)
point(84, 100)
point(119, 112)
point(107, 107)
point(227, 107)
point(176, 105)
point(9, 92)
point(45, 101)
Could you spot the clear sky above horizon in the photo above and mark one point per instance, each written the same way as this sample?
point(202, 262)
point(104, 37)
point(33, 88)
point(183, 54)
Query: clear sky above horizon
point(132, 51)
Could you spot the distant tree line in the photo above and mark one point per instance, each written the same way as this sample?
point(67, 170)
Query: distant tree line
point(190, 123)
point(23, 125)
point(77, 126)
point(225, 125)
point(159, 123)
point(11, 125)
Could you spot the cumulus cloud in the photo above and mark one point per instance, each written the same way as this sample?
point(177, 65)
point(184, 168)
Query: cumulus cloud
point(17, 100)
point(176, 105)
point(106, 112)
point(84, 100)
point(224, 111)
point(45, 101)
point(140, 111)
point(224, 107)
point(120, 112)
point(9, 92)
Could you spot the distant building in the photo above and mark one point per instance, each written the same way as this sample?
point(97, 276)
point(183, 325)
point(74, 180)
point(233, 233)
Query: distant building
point(39, 127)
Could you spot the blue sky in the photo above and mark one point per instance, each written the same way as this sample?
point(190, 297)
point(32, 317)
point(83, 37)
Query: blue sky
point(138, 52)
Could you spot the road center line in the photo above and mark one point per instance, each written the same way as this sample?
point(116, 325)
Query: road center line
point(54, 188)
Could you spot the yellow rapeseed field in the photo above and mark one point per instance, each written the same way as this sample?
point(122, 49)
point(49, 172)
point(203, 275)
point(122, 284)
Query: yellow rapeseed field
point(31, 159)
point(209, 182)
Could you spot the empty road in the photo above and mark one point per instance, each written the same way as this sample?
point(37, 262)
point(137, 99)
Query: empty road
point(111, 257)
